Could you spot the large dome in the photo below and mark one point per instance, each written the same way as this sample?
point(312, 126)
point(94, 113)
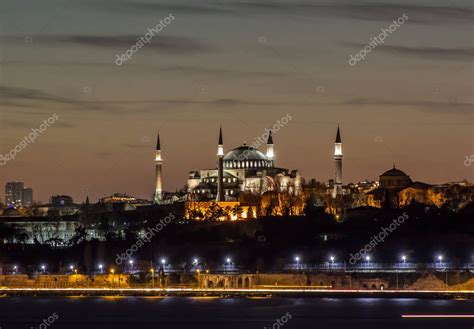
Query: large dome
point(394, 172)
point(246, 157)
point(394, 178)
point(245, 153)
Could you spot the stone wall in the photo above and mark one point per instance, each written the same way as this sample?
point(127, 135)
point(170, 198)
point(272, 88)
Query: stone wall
point(358, 281)
point(323, 281)
point(226, 281)
point(66, 281)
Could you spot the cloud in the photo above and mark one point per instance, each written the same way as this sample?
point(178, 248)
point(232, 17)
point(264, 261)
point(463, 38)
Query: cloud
point(369, 11)
point(447, 107)
point(165, 44)
point(182, 8)
point(11, 123)
point(219, 72)
point(11, 94)
point(437, 53)
point(224, 102)
point(34, 98)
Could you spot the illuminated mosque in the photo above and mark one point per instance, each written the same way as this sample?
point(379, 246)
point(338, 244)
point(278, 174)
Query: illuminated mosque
point(243, 169)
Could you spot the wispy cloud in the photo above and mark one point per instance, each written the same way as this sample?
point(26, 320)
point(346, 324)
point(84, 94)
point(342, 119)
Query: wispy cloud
point(348, 9)
point(219, 72)
point(166, 44)
point(369, 11)
point(201, 7)
point(11, 94)
point(35, 98)
point(436, 53)
point(446, 107)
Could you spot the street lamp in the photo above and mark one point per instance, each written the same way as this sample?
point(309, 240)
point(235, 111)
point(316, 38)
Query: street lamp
point(332, 259)
point(152, 277)
point(228, 262)
point(195, 261)
point(112, 271)
point(163, 261)
point(367, 258)
point(15, 268)
point(440, 258)
point(297, 261)
point(100, 268)
point(43, 267)
point(404, 258)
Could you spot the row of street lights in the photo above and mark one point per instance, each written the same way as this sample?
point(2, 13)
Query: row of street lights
point(228, 262)
point(332, 259)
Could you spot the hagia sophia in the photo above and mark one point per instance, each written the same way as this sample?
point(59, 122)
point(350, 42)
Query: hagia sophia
point(245, 169)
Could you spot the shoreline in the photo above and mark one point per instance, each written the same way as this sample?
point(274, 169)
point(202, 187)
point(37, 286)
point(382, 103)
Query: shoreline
point(236, 293)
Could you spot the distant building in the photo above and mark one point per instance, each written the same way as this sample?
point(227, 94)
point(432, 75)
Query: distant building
point(27, 199)
point(386, 194)
point(396, 189)
point(16, 195)
point(61, 200)
point(59, 205)
point(394, 179)
point(121, 202)
point(43, 230)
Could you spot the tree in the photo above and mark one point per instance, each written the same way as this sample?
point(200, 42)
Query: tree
point(80, 235)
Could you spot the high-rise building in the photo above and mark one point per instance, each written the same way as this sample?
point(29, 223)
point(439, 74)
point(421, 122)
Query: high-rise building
point(27, 197)
point(16, 195)
point(338, 163)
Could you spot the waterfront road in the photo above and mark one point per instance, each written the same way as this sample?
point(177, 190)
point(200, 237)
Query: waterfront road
point(286, 292)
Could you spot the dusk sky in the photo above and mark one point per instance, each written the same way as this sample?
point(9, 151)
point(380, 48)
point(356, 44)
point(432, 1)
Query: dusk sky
point(242, 64)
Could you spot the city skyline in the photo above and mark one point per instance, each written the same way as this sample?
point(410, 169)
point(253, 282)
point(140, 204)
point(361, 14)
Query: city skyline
point(226, 149)
point(240, 64)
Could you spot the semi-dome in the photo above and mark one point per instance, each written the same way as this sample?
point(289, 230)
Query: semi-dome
point(246, 157)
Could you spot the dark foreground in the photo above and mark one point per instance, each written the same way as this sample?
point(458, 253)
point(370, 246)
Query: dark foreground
point(228, 313)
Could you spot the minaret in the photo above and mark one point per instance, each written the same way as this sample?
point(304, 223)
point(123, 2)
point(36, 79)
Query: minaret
point(270, 153)
point(159, 178)
point(220, 169)
point(338, 162)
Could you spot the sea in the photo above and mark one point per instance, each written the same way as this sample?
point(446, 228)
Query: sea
point(232, 313)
